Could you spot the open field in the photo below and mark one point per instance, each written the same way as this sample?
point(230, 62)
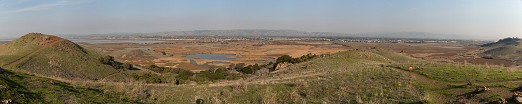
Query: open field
point(173, 53)
point(346, 72)
point(357, 76)
point(440, 52)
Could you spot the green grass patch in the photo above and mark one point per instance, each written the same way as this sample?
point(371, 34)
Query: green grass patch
point(463, 73)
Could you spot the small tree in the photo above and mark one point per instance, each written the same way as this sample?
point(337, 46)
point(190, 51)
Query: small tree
point(200, 101)
point(256, 67)
point(109, 60)
point(247, 70)
point(178, 82)
point(284, 58)
point(240, 66)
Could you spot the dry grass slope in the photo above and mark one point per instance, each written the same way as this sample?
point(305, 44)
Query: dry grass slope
point(24, 88)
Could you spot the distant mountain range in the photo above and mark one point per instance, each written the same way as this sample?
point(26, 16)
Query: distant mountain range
point(277, 33)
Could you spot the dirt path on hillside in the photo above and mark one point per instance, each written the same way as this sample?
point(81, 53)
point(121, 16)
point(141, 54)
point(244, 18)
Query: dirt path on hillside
point(25, 57)
point(418, 77)
point(268, 80)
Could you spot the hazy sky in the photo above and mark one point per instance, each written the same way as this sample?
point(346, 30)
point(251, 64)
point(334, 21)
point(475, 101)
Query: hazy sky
point(478, 18)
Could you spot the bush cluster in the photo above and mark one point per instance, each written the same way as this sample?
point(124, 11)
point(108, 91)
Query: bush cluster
point(290, 59)
point(251, 69)
point(213, 74)
point(109, 60)
point(183, 75)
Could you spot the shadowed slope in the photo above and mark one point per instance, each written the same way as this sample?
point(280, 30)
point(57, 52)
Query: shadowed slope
point(23, 88)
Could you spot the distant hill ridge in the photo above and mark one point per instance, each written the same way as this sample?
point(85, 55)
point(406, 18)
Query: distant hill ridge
point(504, 42)
point(284, 33)
point(507, 48)
point(53, 56)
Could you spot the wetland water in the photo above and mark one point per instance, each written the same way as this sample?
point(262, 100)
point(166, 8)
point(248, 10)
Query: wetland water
point(210, 57)
point(216, 57)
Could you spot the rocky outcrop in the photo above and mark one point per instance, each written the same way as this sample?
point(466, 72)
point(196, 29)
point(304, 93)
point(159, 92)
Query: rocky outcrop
point(500, 101)
point(7, 101)
point(517, 97)
point(482, 89)
point(282, 65)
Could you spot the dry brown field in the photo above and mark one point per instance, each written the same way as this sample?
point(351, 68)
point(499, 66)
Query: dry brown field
point(460, 53)
point(173, 53)
point(244, 51)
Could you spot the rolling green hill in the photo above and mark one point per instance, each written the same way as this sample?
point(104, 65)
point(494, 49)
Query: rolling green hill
point(53, 56)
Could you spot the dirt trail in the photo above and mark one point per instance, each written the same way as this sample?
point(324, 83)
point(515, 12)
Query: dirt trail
point(418, 77)
point(34, 52)
point(268, 80)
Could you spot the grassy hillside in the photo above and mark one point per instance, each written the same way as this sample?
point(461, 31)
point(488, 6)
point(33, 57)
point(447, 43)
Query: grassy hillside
point(508, 49)
point(356, 76)
point(510, 52)
point(334, 79)
point(24, 88)
point(53, 56)
point(359, 76)
point(503, 42)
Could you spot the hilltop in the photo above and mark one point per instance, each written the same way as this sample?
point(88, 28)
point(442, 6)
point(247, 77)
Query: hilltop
point(508, 49)
point(53, 56)
point(503, 42)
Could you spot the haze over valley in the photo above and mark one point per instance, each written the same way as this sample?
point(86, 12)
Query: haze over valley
point(261, 52)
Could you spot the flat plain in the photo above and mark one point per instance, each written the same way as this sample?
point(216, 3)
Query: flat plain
point(173, 53)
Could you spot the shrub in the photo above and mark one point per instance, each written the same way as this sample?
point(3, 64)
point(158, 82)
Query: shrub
point(157, 69)
point(247, 70)
point(109, 60)
point(200, 101)
point(284, 58)
point(128, 66)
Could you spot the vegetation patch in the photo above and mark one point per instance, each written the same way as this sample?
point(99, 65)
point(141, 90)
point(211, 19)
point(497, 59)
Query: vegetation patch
point(23, 88)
